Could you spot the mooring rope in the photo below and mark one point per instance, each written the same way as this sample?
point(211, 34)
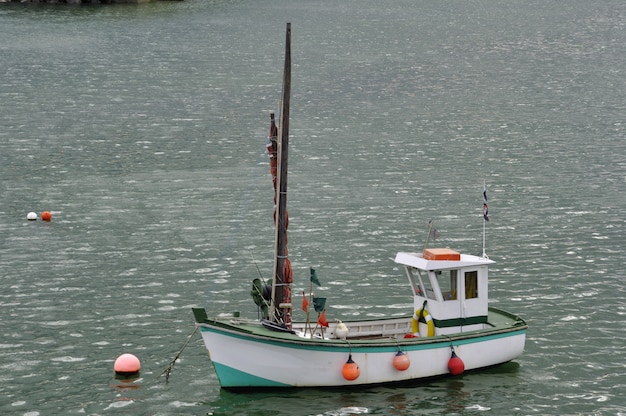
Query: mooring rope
point(169, 368)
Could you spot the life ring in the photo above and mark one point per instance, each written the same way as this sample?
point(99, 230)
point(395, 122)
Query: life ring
point(415, 327)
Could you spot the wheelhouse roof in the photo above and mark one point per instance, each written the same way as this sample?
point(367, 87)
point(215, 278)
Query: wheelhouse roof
point(418, 261)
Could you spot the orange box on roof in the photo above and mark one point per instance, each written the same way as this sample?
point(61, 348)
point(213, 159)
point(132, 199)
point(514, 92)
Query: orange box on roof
point(441, 254)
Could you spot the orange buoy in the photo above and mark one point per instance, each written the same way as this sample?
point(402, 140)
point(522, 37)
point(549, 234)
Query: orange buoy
point(455, 365)
point(401, 361)
point(350, 370)
point(46, 215)
point(127, 365)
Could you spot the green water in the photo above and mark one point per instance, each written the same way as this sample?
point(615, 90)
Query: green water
point(143, 129)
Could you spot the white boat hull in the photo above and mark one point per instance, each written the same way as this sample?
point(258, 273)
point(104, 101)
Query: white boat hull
point(261, 358)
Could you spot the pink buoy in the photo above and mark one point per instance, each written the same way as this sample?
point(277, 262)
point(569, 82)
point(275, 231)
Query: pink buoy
point(127, 365)
point(456, 365)
point(401, 361)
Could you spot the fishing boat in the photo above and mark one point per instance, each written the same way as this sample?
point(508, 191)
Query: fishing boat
point(449, 329)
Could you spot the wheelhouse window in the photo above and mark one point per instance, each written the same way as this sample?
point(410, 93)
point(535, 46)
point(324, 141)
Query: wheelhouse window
point(471, 285)
point(447, 280)
point(421, 284)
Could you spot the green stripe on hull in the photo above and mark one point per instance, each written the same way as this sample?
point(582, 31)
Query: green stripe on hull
point(448, 323)
point(363, 347)
point(230, 377)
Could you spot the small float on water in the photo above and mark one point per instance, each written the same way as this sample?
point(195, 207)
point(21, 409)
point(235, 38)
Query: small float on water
point(450, 329)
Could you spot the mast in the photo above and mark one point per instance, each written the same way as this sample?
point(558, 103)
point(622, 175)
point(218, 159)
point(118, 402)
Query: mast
point(281, 286)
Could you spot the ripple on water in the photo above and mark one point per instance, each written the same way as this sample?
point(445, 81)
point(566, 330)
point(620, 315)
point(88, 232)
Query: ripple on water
point(68, 359)
point(347, 411)
point(119, 404)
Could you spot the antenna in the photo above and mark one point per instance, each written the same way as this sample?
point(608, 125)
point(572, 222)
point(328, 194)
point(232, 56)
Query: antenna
point(432, 233)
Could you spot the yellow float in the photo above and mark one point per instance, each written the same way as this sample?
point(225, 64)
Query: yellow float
point(415, 327)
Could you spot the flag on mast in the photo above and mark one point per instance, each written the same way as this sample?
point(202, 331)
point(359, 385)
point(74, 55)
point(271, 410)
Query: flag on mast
point(319, 304)
point(305, 303)
point(485, 217)
point(314, 278)
point(485, 208)
point(321, 320)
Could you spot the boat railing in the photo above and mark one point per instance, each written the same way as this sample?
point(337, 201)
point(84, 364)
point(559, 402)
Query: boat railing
point(395, 328)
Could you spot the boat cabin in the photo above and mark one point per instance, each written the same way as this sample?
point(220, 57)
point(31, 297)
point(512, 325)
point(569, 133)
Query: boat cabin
point(449, 290)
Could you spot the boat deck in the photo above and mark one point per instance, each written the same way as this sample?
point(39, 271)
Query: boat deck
point(391, 330)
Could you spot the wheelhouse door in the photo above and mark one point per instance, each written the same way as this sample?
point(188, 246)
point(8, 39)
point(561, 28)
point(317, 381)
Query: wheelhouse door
point(473, 293)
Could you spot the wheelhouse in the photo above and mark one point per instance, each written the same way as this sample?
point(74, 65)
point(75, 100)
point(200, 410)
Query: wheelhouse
point(451, 287)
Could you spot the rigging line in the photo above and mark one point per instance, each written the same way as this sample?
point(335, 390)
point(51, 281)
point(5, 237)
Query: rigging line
point(257, 268)
point(243, 208)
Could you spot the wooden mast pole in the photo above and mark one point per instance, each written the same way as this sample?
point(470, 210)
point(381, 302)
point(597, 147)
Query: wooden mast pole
point(281, 307)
